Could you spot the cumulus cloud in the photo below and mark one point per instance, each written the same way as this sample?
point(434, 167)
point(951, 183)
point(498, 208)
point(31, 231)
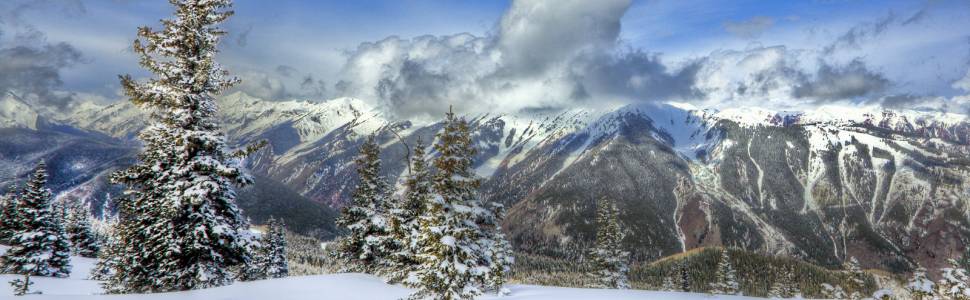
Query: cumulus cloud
point(535, 34)
point(261, 85)
point(751, 28)
point(545, 56)
point(30, 66)
point(542, 56)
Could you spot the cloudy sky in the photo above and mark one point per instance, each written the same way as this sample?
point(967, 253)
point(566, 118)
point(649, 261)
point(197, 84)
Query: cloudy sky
point(413, 58)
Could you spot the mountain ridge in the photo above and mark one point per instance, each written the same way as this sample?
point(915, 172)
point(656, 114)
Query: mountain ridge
point(886, 186)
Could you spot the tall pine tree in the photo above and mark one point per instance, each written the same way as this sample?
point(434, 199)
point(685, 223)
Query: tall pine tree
point(39, 247)
point(726, 282)
point(275, 264)
point(180, 226)
point(365, 247)
point(79, 231)
point(785, 285)
point(10, 223)
point(404, 214)
point(454, 239)
point(609, 260)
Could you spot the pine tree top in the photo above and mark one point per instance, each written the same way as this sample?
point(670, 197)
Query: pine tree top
point(180, 55)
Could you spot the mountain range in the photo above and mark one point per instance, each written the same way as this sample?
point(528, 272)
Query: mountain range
point(889, 187)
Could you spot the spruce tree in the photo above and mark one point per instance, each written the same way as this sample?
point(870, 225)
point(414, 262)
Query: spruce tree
point(609, 260)
point(404, 215)
point(60, 260)
point(497, 249)
point(39, 247)
point(684, 277)
point(275, 264)
point(108, 259)
point(669, 284)
point(11, 222)
point(726, 281)
point(833, 292)
point(253, 269)
point(920, 287)
point(78, 224)
point(180, 227)
point(454, 263)
point(365, 248)
point(784, 285)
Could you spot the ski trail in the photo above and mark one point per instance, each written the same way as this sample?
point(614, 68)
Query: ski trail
point(761, 177)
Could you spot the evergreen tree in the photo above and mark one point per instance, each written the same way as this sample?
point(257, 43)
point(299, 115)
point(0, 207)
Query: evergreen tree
point(498, 250)
point(833, 292)
point(669, 284)
point(40, 246)
point(365, 248)
point(108, 259)
point(60, 260)
point(785, 285)
point(726, 282)
point(78, 224)
point(920, 287)
point(684, 277)
point(953, 283)
point(609, 260)
point(180, 226)
point(457, 231)
point(252, 269)
point(11, 222)
point(404, 215)
point(275, 264)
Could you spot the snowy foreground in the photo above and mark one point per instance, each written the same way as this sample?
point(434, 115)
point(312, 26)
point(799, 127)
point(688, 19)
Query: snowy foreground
point(319, 287)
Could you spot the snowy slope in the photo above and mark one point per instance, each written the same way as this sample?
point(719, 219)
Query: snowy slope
point(320, 287)
point(340, 287)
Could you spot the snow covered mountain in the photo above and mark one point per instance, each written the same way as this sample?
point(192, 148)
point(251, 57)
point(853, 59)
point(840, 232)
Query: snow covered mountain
point(888, 187)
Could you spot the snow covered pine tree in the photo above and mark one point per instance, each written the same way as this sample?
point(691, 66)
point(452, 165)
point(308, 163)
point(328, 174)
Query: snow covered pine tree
point(109, 254)
point(785, 285)
point(404, 214)
point(180, 227)
point(365, 247)
point(452, 242)
point(10, 223)
point(39, 247)
point(609, 260)
point(726, 282)
point(274, 260)
point(78, 225)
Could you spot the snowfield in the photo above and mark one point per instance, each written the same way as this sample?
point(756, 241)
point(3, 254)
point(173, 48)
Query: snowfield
point(327, 287)
point(350, 286)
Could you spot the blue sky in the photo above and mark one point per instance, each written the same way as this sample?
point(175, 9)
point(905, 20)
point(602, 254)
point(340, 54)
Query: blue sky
point(551, 53)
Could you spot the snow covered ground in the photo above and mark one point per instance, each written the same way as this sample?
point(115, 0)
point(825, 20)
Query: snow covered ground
point(326, 287)
point(318, 287)
point(349, 286)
